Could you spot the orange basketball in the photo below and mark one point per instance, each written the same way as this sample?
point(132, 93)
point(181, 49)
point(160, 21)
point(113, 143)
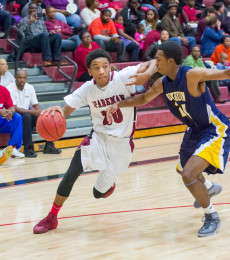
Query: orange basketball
point(51, 127)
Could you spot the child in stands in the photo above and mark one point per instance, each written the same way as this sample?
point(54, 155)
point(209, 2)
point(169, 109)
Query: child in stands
point(131, 44)
point(139, 35)
point(223, 65)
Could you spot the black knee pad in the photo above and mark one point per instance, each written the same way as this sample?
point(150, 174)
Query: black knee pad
point(97, 194)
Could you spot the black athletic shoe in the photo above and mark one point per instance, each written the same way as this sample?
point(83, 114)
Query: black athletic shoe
point(50, 149)
point(30, 153)
point(212, 223)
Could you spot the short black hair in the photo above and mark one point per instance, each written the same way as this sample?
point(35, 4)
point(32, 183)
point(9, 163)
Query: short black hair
point(224, 37)
point(98, 53)
point(82, 32)
point(218, 5)
point(104, 11)
point(172, 50)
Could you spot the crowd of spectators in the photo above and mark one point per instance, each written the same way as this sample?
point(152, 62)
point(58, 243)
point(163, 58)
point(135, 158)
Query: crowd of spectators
point(134, 32)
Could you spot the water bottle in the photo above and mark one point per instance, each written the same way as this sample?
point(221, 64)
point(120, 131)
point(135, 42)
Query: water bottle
point(36, 69)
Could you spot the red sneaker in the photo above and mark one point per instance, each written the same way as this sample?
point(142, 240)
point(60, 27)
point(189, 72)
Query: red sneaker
point(110, 191)
point(49, 222)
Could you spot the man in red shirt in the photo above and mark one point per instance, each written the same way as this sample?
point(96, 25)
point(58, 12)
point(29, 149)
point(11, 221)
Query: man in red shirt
point(10, 123)
point(103, 31)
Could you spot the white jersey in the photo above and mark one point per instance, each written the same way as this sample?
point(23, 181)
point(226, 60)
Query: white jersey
point(99, 99)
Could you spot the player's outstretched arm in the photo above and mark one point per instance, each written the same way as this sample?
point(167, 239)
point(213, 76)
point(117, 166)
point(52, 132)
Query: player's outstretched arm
point(201, 74)
point(65, 111)
point(138, 100)
point(144, 73)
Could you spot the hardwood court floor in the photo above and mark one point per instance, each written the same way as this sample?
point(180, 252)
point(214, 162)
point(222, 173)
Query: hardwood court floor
point(149, 216)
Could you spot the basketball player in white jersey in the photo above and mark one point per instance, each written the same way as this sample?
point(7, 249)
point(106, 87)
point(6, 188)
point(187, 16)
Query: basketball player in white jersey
point(109, 147)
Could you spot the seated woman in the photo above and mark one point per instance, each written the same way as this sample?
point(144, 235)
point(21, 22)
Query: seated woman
point(150, 23)
point(83, 49)
point(211, 36)
point(131, 44)
point(132, 15)
point(90, 12)
point(73, 20)
point(224, 47)
point(69, 41)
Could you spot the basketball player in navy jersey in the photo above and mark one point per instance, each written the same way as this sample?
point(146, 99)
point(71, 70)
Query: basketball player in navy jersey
point(109, 147)
point(206, 142)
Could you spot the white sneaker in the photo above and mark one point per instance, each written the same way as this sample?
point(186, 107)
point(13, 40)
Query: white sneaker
point(17, 154)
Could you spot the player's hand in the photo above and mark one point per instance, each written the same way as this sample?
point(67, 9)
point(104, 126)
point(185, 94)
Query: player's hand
point(138, 79)
point(7, 114)
point(52, 110)
point(109, 113)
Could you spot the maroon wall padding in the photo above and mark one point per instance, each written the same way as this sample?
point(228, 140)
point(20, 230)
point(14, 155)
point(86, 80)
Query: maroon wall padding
point(4, 44)
point(4, 139)
point(36, 58)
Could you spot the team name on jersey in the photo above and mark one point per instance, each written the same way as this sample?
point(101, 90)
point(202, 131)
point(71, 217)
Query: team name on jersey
point(108, 101)
point(176, 96)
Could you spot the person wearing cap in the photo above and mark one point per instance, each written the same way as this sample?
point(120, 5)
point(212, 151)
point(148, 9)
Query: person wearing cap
point(172, 25)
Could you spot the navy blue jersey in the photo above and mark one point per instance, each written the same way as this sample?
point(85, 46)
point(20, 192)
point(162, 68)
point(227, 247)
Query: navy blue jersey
point(196, 112)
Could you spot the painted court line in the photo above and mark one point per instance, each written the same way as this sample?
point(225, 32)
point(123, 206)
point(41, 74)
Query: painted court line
point(58, 176)
point(110, 213)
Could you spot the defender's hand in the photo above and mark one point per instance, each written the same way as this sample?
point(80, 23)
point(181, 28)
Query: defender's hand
point(109, 113)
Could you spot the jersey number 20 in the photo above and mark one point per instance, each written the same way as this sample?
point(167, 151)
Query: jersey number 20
point(117, 117)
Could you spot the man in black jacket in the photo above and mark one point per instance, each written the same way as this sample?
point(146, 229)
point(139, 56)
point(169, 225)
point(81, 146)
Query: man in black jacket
point(132, 15)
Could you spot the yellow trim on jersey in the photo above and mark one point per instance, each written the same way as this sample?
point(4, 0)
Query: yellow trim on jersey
point(212, 151)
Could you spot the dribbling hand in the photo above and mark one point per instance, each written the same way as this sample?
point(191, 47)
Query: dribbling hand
point(109, 113)
point(52, 110)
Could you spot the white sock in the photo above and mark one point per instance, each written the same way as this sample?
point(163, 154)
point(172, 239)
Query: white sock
point(209, 209)
point(207, 184)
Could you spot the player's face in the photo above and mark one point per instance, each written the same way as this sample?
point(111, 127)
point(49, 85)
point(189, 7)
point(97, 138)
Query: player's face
point(20, 79)
point(99, 69)
point(162, 63)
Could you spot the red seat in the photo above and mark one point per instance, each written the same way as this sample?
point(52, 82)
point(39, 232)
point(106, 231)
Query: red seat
point(209, 3)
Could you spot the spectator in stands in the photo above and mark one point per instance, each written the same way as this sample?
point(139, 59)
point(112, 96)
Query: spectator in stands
point(82, 51)
point(39, 3)
point(190, 12)
point(69, 42)
point(211, 36)
point(226, 8)
point(73, 20)
point(132, 15)
point(152, 37)
point(103, 31)
point(10, 122)
point(222, 65)
point(139, 35)
point(5, 19)
point(224, 47)
point(153, 48)
point(37, 37)
point(131, 45)
point(210, 11)
point(164, 9)
point(24, 96)
point(90, 12)
point(172, 25)
point(224, 19)
point(5, 76)
point(150, 23)
point(194, 60)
